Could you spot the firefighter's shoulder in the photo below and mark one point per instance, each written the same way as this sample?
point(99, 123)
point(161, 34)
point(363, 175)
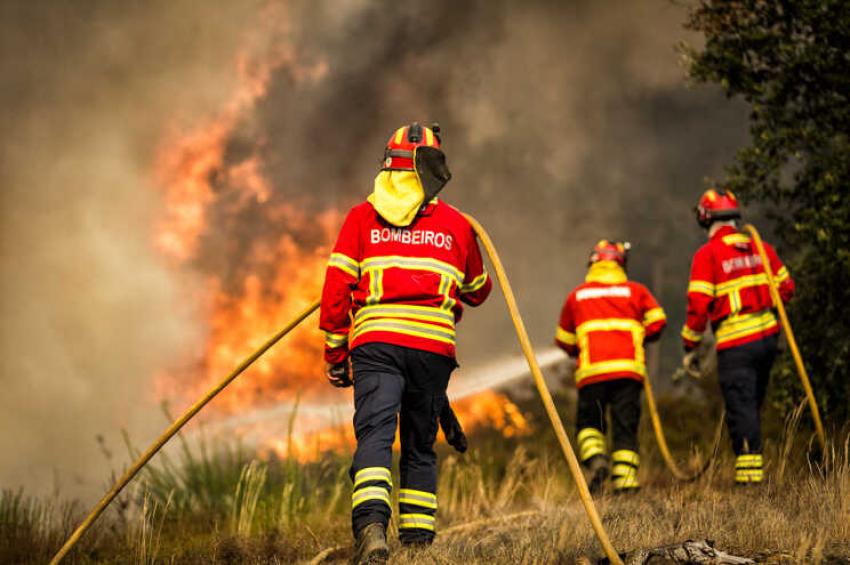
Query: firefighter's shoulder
point(638, 288)
point(451, 215)
point(704, 252)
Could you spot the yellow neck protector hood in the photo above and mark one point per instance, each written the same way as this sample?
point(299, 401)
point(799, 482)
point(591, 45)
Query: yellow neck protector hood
point(397, 196)
point(606, 272)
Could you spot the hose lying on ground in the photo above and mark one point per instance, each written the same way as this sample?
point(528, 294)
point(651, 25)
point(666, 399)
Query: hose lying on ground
point(789, 336)
point(545, 396)
point(525, 344)
point(171, 431)
point(662, 440)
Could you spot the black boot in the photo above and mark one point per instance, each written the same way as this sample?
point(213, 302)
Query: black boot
point(371, 548)
point(597, 472)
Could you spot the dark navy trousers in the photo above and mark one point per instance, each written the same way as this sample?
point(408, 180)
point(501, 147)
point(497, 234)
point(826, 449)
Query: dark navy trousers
point(743, 373)
point(404, 388)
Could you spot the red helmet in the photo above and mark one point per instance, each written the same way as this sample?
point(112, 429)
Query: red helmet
point(398, 154)
point(717, 204)
point(605, 250)
point(417, 148)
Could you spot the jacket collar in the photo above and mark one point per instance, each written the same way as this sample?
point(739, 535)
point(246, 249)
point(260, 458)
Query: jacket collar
point(722, 232)
point(606, 272)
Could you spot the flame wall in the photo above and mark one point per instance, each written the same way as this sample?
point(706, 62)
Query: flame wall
point(167, 166)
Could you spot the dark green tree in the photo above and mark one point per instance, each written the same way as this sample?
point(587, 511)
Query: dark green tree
point(790, 61)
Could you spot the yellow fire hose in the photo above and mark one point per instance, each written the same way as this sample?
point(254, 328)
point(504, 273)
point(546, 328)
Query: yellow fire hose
point(789, 336)
point(171, 431)
point(545, 396)
point(662, 440)
point(525, 344)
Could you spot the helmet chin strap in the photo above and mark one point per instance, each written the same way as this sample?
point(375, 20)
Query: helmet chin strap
point(712, 229)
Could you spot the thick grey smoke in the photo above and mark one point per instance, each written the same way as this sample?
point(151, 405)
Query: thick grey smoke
point(90, 311)
point(564, 122)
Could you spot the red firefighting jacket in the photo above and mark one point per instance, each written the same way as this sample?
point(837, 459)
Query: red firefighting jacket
point(401, 286)
point(605, 322)
point(729, 286)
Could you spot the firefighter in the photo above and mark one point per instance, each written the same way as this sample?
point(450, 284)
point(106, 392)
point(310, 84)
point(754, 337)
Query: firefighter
point(729, 287)
point(605, 322)
point(401, 267)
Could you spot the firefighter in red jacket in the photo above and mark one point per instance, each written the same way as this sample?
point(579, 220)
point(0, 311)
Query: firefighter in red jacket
point(729, 287)
point(605, 323)
point(403, 264)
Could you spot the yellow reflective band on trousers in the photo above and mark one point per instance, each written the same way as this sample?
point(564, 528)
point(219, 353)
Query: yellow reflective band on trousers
point(376, 474)
point(742, 325)
point(416, 521)
point(417, 498)
point(366, 494)
point(624, 469)
point(748, 468)
point(591, 442)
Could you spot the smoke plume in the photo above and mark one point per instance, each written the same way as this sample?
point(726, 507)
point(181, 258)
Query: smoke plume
point(564, 122)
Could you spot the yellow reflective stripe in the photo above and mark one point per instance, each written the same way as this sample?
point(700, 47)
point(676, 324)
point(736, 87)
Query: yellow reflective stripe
point(445, 291)
point(735, 301)
point(734, 238)
point(405, 327)
point(586, 433)
point(609, 325)
point(626, 482)
point(373, 474)
point(702, 287)
point(366, 494)
point(423, 313)
point(654, 315)
point(335, 340)
point(564, 336)
point(429, 136)
point(742, 325)
point(376, 286)
point(417, 498)
point(345, 263)
point(420, 521)
point(591, 443)
point(626, 456)
point(749, 462)
point(782, 275)
point(690, 334)
point(739, 283)
point(749, 475)
point(623, 470)
point(475, 283)
point(398, 133)
point(612, 366)
point(415, 263)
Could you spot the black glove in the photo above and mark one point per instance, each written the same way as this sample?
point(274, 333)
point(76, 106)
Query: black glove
point(339, 375)
point(452, 429)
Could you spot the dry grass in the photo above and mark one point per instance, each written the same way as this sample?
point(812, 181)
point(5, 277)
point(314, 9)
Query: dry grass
point(504, 502)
